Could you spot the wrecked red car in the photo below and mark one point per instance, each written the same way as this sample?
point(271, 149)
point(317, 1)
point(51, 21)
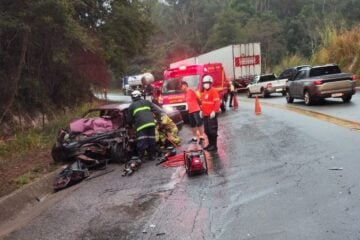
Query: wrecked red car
point(101, 134)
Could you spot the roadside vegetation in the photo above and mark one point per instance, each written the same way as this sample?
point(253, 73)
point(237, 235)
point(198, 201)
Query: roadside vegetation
point(339, 46)
point(54, 53)
point(35, 139)
point(26, 155)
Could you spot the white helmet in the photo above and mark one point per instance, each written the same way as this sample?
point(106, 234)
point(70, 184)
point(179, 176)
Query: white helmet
point(208, 79)
point(136, 95)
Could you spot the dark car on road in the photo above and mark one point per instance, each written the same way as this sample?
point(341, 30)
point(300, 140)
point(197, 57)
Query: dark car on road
point(317, 83)
point(290, 73)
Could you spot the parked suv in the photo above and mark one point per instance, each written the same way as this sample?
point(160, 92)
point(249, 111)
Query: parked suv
point(320, 82)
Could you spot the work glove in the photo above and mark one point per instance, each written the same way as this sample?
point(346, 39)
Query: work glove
point(201, 114)
point(212, 115)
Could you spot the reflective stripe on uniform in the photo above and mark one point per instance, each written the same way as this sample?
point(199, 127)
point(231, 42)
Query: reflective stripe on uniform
point(145, 137)
point(141, 109)
point(151, 124)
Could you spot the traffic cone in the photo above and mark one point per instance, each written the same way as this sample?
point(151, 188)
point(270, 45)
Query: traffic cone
point(235, 101)
point(257, 106)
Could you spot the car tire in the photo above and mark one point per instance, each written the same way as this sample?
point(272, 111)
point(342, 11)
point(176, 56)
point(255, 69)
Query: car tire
point(283, 93)
point(346, 98)
point(118, 153)
point(308, 99)
point(59, 153)
point(289, 98)
point(249, 95)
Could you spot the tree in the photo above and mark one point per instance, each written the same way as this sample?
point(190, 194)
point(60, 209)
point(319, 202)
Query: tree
point(54, 51)
point(268, 30)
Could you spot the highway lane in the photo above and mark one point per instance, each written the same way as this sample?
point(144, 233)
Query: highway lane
point(331, 106)
point(272, 178)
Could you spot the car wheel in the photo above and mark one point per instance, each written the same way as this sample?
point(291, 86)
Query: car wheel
point(249, 95)
point(308, 99)
point(346, 98)
point(118, 153)
point(283, 93)
point(59, 153)
point(289, 98)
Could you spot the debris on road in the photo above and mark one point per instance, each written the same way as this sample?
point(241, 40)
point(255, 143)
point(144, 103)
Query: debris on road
point(99, 174)
point(133, 165)
point(40, 199)
point(336, 168)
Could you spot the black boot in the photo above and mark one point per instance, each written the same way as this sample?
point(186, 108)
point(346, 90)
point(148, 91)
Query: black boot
point(152, 153)
point(213, 144)
point(141, 154)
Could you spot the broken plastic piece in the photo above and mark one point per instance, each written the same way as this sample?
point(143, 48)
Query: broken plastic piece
point(336, 168)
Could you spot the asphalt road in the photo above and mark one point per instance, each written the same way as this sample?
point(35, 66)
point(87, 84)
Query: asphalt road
point(271, 179)
point(331, 106)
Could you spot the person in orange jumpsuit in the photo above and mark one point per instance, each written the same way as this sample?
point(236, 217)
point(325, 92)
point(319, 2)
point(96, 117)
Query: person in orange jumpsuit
point(195, 120)
point(210, 106)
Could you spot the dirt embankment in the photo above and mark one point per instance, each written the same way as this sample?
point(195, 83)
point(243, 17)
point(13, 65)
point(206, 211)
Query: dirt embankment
point(21, 170)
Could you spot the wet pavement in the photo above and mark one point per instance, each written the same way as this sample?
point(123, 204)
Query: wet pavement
point(271, 179)
point(331, 106)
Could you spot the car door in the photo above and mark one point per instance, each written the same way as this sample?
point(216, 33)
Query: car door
point(253, 86)
point(297, 87)
point(259, 85)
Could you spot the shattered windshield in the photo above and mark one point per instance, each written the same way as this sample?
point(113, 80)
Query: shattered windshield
point(173, 85)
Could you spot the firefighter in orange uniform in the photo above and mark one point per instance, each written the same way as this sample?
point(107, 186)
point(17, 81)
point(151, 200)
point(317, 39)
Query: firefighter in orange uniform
point(210, 106)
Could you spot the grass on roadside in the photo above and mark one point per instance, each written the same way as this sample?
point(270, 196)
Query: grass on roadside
point(30, 175)
point(339, 46)
point(35, 139)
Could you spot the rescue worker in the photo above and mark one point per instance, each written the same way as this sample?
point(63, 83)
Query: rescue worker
point(210, 105)
point(140, 114)
point(231, 90)
point(195, 120)
point(166, 130)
